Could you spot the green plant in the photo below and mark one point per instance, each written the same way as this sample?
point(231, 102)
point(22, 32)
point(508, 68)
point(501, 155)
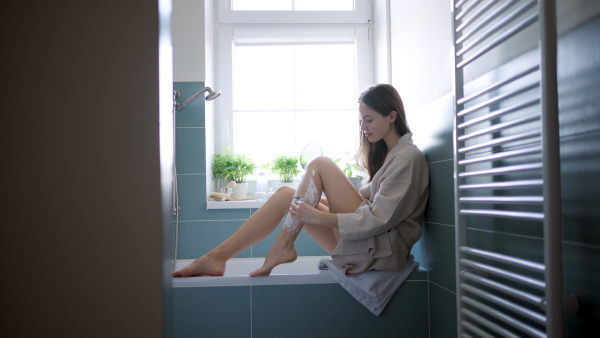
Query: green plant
point(352, 170)
point(232, 167)
point(349, 166)
point(286, 166)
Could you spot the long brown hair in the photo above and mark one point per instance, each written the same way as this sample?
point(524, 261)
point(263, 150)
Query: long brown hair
point(383, 98)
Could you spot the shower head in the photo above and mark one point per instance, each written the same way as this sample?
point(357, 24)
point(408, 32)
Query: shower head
point(209, 97)
point(212, 95)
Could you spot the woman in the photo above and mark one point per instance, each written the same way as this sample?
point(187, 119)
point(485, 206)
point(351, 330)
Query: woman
point(374, 229)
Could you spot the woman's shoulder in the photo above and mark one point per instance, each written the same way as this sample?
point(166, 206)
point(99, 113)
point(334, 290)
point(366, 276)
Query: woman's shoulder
point(409, 152)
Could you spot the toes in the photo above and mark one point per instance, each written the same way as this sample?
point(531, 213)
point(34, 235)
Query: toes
point(259, 272)
point(182, 273)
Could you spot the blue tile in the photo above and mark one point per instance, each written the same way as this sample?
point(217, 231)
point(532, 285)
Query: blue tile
point(224, 214)
point(327, 310)
point(211, 312)
point(578, 70)
point(529, 248)
point(192, 201)
point(193, 114)
point(440, 207)
point(438, 254)
point(198, 237)
point(173, 238)
point(582, 274)
point(442, 305)
point(192, 196)
point(419, 275)
point(418, 251)
point(580, 175)
point(191, 152)
point(432, 128)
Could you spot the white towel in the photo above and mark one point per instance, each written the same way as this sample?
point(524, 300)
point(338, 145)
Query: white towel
point(373, 289)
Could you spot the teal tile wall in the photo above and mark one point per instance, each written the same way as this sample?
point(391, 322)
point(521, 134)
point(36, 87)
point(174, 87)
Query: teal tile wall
point(200, 229)
point(579, 109)
point(443, 313)
point(579, 106)
point(440, 207)
point(433, 127)
point(212, 312)
point(327, 310)
point(196, 238)
point(302, 310)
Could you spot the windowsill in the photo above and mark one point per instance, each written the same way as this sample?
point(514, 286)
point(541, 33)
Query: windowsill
point(273, 183)
point(251, 204)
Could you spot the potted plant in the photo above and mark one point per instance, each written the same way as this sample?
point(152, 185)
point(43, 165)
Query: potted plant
point(230, 166)
point(286, 167)
point(351, 169)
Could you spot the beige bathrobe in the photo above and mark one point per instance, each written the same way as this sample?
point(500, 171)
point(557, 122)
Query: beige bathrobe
point(384, 228)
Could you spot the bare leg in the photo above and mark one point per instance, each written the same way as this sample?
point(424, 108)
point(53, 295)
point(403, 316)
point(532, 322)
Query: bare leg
point(326, 237)
point(256, 228)
point(322, 175)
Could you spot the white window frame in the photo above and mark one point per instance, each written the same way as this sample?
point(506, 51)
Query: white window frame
point(314, 29)
point(227, 37)
point(360, 14)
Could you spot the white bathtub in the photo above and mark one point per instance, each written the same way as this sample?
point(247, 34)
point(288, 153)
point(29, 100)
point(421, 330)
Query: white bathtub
point(303, 271)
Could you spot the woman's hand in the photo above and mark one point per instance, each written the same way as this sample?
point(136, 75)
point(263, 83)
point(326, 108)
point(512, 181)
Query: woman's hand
point(304, 213)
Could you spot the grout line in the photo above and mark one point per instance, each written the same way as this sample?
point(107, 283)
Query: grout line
point(441, 161)
point(567, 137)
point(506, 233)
point(448, 225)
point(454, 292)
point(591, 246)
point(251, 319)
point(428, 308)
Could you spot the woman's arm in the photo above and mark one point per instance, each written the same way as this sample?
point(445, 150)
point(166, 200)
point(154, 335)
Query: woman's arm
point(309, 215)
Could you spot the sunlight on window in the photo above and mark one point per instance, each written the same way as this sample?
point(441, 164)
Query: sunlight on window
point(320, 5)
point(263, 77)
point(325, 77)
point(286, 96)
point(290, 5)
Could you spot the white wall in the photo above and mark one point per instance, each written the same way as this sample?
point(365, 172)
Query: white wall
point(381, 35)
point(188, 40)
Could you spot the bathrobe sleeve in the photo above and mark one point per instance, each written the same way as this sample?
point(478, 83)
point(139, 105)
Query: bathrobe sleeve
point(389, 202)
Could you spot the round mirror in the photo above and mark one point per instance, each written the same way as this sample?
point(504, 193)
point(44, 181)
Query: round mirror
point(309, 153)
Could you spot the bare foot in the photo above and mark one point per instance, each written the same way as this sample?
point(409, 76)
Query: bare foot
point(203, 266)
point(278, 254)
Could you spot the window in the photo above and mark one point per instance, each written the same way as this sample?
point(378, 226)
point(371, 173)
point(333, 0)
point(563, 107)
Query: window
point(292, 5)
point(289, 84)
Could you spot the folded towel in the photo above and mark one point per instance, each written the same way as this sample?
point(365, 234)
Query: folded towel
point(373, 289)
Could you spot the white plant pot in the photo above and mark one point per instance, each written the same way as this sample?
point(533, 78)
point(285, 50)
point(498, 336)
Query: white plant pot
point(240, 191)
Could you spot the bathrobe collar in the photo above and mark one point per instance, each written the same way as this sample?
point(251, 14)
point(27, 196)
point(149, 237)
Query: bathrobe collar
point(405, 140)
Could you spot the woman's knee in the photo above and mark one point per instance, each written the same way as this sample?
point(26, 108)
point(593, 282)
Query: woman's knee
point(285, 191)
point(321, 161)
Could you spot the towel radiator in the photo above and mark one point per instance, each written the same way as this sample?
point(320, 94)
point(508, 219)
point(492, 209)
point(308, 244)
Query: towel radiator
point(507, 170)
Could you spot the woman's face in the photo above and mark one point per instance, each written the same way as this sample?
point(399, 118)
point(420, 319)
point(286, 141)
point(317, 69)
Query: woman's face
point(374, 125)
